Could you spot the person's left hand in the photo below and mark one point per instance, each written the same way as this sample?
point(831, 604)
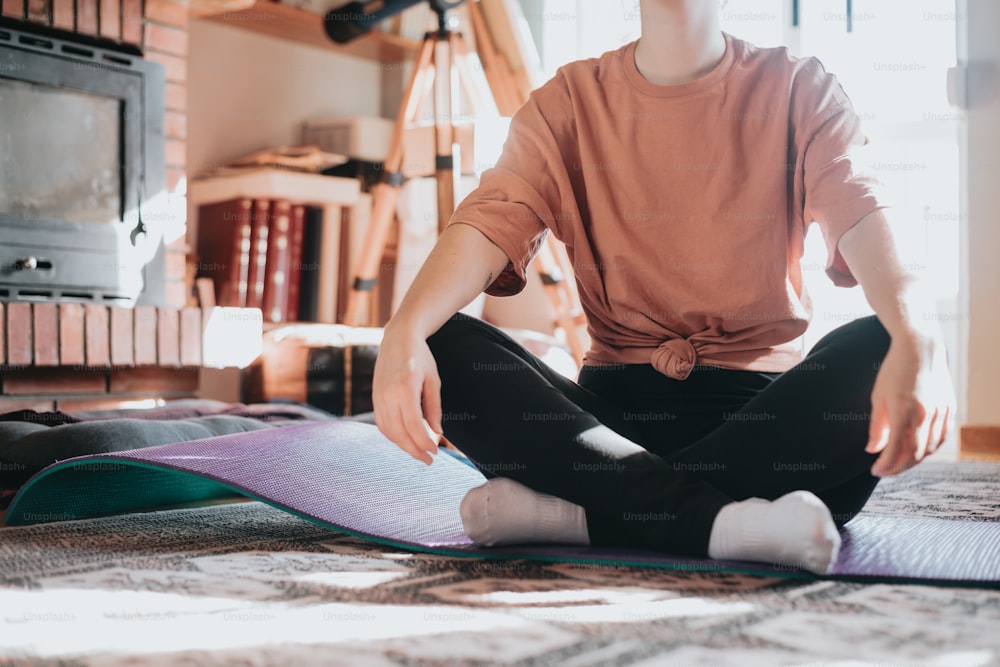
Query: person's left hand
point(913, 405)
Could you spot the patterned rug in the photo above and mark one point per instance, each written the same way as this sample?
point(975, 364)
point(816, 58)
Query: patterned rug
point(246, 584)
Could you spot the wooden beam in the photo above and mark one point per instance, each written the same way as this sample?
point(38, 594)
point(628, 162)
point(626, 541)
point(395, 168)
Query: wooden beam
point(303, 27)
point(980, 441)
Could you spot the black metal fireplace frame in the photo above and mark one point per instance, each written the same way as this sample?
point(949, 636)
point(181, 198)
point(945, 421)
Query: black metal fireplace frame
point(71, 260)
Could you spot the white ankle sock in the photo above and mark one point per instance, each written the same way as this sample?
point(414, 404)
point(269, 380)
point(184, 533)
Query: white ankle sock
point(502, 512)
point(796, 529)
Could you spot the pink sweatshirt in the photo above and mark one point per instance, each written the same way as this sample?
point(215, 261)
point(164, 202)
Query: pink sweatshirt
point(683, 208)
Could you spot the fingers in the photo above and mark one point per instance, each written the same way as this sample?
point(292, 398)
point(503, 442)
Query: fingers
point(416, 433)
point(947, 424)
point(392, 419)
point(924, 432)
point(405, 390)
point(912, 412)
point(931, 440)
point(908, 434)
point(399, 417)
point(894, 436)
point(878, 431)
point(388, 419)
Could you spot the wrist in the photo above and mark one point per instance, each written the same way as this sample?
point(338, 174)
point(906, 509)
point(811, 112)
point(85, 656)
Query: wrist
point(406, 326)
point(914, 321)
point(922, 341)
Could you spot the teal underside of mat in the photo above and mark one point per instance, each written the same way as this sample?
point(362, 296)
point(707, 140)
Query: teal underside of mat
point(83, 490)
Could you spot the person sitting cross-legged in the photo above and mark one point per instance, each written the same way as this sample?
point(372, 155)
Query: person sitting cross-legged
point(681, 171)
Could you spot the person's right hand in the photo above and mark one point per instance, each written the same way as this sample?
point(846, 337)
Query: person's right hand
point(406, 394)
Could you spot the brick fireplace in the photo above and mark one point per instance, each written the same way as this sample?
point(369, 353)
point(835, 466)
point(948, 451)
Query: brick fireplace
point(75, 356)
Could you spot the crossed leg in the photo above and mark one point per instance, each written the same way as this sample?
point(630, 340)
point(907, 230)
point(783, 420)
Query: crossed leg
point(652, 461)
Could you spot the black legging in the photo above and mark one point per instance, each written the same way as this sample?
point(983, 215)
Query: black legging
point(696, 444)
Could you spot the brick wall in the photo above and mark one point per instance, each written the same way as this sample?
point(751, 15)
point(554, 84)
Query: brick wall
point(73, 356)
point(115, 20)
point(165, 40)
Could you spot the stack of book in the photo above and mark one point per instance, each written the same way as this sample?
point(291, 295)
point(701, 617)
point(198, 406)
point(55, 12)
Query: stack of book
point(262, 253)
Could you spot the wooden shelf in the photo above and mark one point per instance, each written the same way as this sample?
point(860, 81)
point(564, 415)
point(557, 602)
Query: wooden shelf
point(298, 187)
point(339, 198)
point(302, 27)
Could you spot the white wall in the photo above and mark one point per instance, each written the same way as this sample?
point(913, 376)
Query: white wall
point(248, 91)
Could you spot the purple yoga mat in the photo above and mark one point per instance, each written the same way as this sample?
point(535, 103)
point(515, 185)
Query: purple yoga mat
point(349, 477)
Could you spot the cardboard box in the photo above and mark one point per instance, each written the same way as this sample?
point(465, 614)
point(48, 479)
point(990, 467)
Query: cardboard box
point(368, 138)
point(364, 138)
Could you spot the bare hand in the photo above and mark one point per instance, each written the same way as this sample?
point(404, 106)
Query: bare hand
point(406, 393)
point(913, 406)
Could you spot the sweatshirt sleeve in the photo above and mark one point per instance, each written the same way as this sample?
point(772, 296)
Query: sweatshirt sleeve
point(517, 201)
point(837, 190)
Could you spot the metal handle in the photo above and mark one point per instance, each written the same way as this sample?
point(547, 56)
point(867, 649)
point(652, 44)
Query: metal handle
point(31, 263)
